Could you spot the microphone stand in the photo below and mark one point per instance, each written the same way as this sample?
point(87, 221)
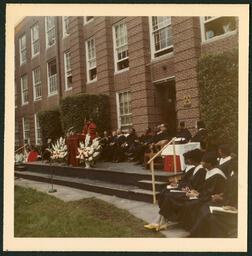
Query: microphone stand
point(51, 190)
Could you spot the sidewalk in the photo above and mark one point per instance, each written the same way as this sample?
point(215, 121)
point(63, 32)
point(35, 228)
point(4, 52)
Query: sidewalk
point(142, 210)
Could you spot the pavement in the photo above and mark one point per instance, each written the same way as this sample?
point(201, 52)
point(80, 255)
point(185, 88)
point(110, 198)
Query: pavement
point(142, 210)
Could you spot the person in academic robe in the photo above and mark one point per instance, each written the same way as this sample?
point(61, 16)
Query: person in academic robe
point(142, 145)
point(161, 138)
point(201, 135)
point(171, 201)
point(219, 224)
point(131, 141)
point(183, 132)
point(214, 183)
point(119, 147)
point(105, 140)
point(225, 160)
point(90, 129)
point(111, 147)
point(33, 154)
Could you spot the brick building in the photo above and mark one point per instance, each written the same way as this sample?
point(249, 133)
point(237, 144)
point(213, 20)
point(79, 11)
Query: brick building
point(147, 65)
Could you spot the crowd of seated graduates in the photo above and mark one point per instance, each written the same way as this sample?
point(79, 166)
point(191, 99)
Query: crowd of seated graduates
point(205, 201)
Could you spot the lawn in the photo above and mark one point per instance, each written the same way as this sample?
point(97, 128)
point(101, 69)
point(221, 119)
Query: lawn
point(40, 215)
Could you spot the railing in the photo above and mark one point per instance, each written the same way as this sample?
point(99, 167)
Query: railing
point(151, 163)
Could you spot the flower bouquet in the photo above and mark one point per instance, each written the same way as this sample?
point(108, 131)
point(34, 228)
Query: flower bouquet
point(87, 151)
point(59, 151)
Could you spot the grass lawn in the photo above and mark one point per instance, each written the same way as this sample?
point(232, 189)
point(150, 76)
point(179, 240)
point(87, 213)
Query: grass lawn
point(40, 215)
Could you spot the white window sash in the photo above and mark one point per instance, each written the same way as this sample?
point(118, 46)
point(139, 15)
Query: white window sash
point(68, 70)
point(65, 20)
point(50, 32)
point(36, 85)
point(35, 42)
point(90, 62)
point(26, 129)
point(129, 111)
point(24, 90)
point(22, 49)
point(37, 130)
point(52, 82)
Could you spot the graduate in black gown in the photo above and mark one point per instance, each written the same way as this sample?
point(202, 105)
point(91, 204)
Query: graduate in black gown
point(219, 224)
point(201, 135)
point(214, 183)
point(225, 161)
point(171, 201)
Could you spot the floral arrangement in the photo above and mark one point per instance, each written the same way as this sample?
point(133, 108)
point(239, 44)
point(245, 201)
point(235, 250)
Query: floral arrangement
point(59, 150)
point(87, 151)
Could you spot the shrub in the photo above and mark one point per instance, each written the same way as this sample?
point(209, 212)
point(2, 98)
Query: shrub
point(50, 124)
point(74, 109)
point(218, 87)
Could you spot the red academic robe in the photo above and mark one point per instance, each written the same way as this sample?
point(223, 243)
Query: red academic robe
point(90, 129)
point(32, 157)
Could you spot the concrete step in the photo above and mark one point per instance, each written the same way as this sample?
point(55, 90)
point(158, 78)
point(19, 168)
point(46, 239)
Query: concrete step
point(123, 191)
point(147, 184)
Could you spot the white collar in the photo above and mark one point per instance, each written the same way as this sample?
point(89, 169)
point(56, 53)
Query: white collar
point(213, 172)
point(201, 129)
point(197, 168)
point(224, 160)
point(188, 167)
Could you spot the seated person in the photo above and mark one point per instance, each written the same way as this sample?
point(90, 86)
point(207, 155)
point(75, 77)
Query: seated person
point(141, 145)
point(201, 135)
point(170, 202)
point(161, 138)
point(119, 147)
point(131, 140)
point(33, 154)
point(225, 161)
point(183, 132)
point(105, 141)
point(219, 224)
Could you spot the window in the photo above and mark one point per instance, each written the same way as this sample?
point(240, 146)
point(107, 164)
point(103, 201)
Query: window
point(35, 39)
point(161, 35)
point(68, 70)
point(65, 24)
point(16, 134)
point(26, 130)
point(91, 60)
point(120, 46)
point(87, 19)
point(213, 26)
point(22, 49)
point(52, 77)
point(16, 95)
point(124, 109)
point(37, 130)
point(50, 31)
point(37, 90)
point(25, 91)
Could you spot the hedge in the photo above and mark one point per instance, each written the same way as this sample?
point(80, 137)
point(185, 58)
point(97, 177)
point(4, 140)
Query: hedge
point(74, 109)
point(50, 124)
point(218, 88)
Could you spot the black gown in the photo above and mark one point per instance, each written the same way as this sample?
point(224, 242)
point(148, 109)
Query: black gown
point(171, 203)
point(216, 184)
point(218, 224)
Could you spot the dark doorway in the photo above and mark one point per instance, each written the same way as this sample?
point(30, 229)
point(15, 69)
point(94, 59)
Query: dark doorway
point(167, 103)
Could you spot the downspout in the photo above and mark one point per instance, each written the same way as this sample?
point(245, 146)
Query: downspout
point(59, 59)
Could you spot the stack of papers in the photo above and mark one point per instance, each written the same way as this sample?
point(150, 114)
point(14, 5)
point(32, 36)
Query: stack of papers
point(180, 191)
point(220, 209)
point(171, 187)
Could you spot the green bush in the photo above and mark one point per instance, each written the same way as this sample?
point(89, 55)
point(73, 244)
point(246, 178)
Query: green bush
point(218, 87)
point(50, 124)
point(74, 109)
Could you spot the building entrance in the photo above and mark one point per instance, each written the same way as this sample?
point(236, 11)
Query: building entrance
point(167, 104)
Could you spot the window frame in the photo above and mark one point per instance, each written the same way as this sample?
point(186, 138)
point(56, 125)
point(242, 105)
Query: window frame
point(22, 89)
point(48, 79)
point(152, 40)
point(67, 88)
point(119, 123)
point(36, 122)
point(23, 122)
point(116, 61)
point(85, 22)
point(87, 60)
point(21, 50)
point(36, 85)
point(63, 26)
point(203, 30)
point(46, 32)
point(33, 42)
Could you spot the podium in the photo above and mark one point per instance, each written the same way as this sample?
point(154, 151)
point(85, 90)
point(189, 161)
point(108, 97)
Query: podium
point(73, 142)
point(180, 149)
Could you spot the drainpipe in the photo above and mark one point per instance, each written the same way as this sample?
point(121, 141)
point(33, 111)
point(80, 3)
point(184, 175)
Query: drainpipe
point(59, 58)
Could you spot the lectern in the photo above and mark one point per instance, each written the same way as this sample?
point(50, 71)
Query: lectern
point(73, 142)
